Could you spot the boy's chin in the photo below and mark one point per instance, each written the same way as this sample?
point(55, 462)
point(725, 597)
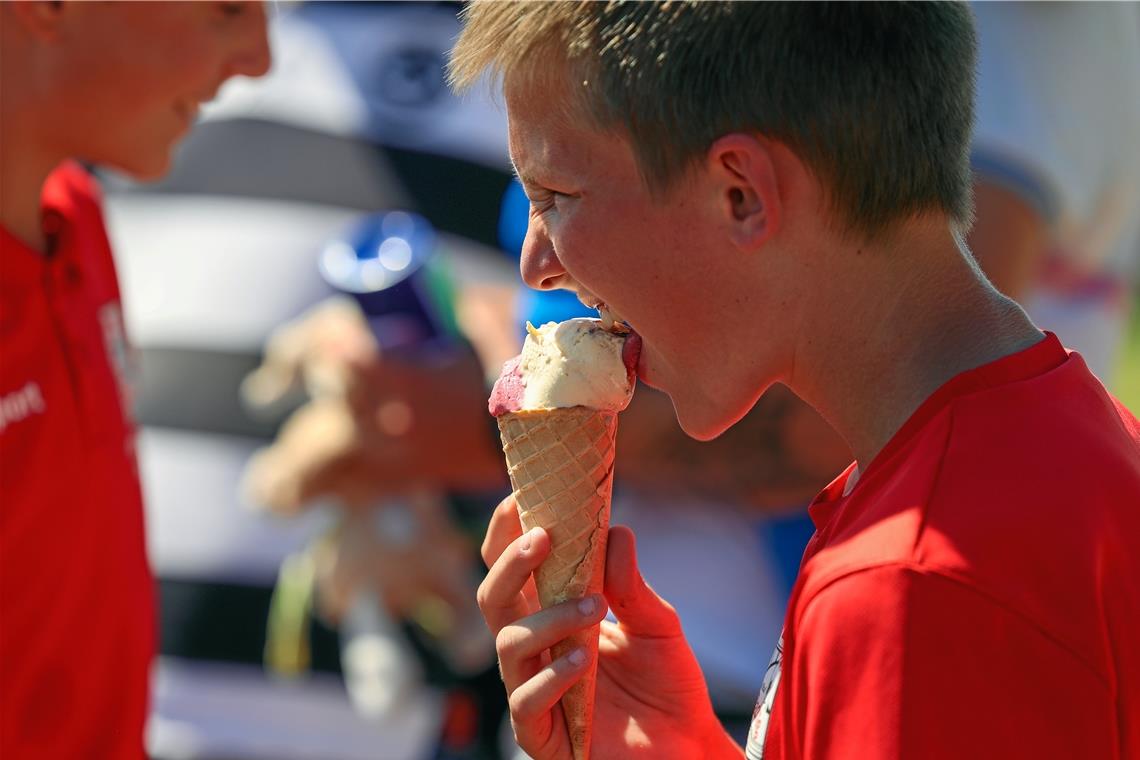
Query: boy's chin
point(149, 171)
point(707, 418)
point(703, 424)
point(144, 166)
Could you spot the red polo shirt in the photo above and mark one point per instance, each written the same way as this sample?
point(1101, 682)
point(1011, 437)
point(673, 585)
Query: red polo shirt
point(76, 597)
point(976, 594)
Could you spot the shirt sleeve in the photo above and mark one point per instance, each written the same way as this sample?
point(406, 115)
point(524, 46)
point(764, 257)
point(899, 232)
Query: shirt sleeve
point(897, 662)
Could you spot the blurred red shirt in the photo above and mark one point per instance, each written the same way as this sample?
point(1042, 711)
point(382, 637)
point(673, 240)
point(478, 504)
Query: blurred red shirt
point(977, 592)
point(77, 623)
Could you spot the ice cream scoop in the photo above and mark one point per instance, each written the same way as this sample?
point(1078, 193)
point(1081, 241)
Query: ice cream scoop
point(573, 363)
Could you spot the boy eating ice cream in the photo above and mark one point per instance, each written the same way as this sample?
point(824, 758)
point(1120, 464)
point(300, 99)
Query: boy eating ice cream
point(773, 193)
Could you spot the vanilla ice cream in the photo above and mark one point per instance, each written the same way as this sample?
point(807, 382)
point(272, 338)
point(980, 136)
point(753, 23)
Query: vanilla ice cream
point(565, 364)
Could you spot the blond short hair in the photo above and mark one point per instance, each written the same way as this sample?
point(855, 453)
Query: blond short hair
point(875, 98)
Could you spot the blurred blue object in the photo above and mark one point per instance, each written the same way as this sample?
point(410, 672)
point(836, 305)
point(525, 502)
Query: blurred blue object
point(785, 537)
point(378, 253)
point(514, 214)
point(540, 307)
point(387, 262)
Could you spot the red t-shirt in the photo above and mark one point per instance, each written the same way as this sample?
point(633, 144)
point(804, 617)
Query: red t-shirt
point(76, 596)
point(977, 593)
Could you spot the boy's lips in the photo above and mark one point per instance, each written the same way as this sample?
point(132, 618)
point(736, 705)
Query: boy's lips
point(631, 354)
point(642, 368)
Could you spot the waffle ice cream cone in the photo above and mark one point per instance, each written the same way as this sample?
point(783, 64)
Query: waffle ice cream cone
point(557, 404)
point(561, 464)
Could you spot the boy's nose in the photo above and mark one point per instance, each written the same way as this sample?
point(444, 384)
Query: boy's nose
point(539, 264)
point(252, 57)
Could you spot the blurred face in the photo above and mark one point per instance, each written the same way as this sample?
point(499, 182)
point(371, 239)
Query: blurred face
point(667, 267)
point(132, 75)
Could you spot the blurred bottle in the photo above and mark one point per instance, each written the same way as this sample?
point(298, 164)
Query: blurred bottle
point(381, 669)
point(390, 264)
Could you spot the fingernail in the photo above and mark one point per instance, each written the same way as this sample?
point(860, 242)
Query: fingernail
point(577, 657)
point(587, 606)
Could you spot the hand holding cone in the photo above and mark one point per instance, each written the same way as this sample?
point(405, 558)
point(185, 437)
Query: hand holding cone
point(556, 405)
point(561, 468)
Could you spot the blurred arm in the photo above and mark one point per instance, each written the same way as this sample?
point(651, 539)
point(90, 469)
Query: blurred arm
point(779, 456)
point(378, 423)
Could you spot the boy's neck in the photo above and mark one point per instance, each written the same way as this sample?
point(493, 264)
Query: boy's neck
point(27, 156)
point(903, 320)
point(22, 176)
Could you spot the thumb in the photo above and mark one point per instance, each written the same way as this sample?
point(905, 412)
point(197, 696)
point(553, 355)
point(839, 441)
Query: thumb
point(637, 607)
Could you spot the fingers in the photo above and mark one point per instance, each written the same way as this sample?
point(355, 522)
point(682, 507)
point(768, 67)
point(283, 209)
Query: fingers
point(534, 686)
point(534, 705)
point(500, 595)
point(541, 693)
point(638, 608)
point(502, 530)
point(520, 644)
point(523, 633)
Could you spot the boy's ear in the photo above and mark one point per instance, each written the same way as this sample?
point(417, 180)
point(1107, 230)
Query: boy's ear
point(40, 17)
point(745, 176)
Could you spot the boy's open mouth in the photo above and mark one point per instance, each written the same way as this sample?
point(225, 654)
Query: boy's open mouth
point(611, 320)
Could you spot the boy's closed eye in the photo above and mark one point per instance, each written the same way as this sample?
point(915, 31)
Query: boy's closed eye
point(544, 200)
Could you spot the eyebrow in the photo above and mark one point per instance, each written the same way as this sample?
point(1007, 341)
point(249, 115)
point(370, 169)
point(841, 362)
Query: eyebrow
point(524, 177)
point(553, 182)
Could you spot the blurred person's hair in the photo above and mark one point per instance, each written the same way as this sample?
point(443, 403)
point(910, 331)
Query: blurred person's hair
point(875, 98)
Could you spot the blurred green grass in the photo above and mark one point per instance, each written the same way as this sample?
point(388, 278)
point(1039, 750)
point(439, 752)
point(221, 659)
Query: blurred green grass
point(1125, 384)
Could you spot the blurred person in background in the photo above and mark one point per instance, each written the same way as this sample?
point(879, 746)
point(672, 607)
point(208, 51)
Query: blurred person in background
point(1056, 161)
point(358, 104)
point(115, 84)
point(213, 256)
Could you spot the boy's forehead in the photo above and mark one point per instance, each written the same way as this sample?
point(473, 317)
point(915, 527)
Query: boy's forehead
point(547, 144)
point(533, 145)
point(540, 145)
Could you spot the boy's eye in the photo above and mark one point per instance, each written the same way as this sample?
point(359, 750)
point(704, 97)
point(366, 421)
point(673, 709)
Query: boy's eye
point(548, 197)
point(541, 203)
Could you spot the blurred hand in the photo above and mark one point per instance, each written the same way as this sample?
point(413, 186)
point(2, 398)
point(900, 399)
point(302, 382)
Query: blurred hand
point(777, 457)
point(651, 699)
point(407, 551)
point(378, 423)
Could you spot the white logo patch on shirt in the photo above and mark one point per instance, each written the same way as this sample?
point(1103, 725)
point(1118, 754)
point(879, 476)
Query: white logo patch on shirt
point(21, 404)
point(758, 731)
